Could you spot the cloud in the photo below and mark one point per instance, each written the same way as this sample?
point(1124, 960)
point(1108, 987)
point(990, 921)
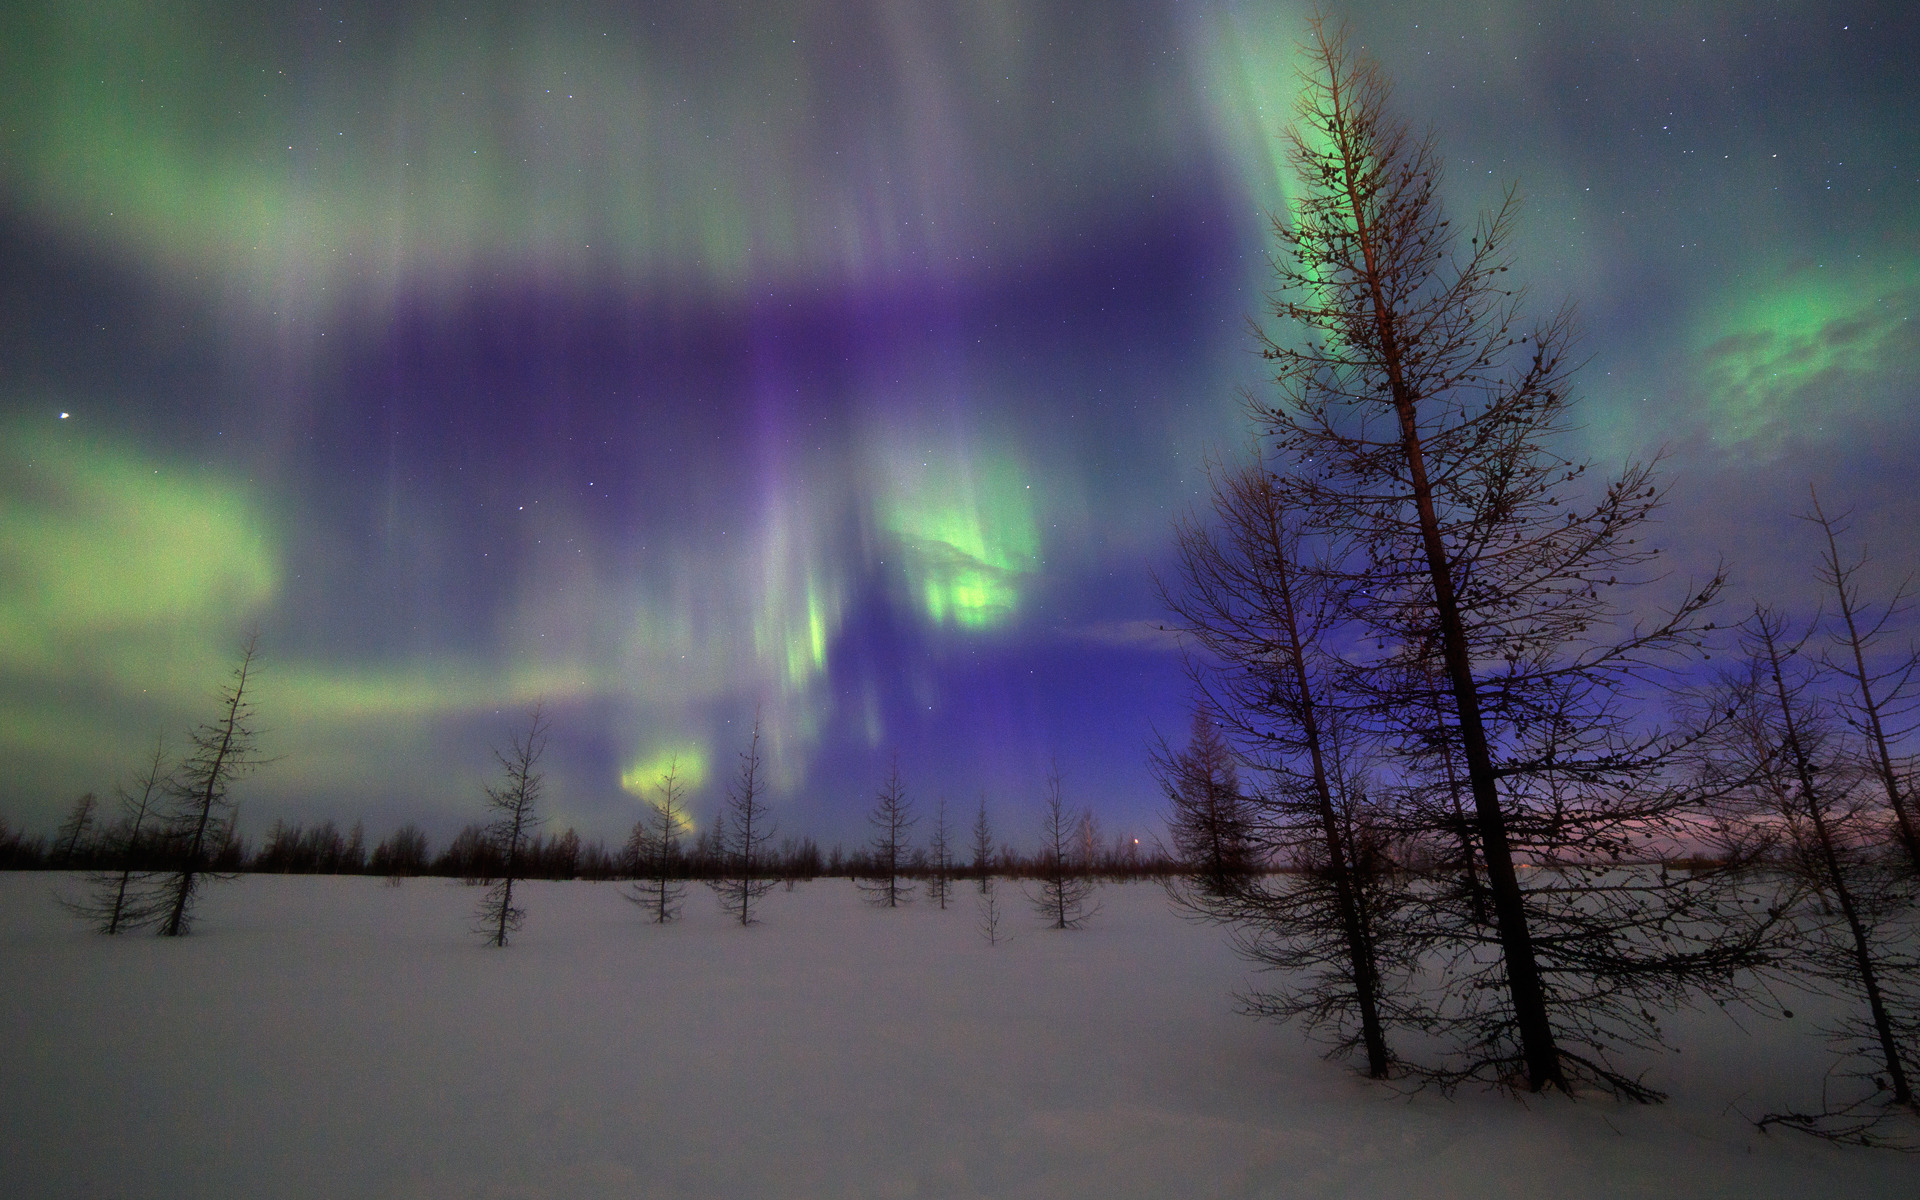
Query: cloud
point(1803, 360)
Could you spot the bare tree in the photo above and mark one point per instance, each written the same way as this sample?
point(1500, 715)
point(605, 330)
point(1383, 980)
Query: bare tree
point(742, 841)
point(515, 805)
point(122, 895)
point(1260, 618)
point(1805, 796)
point(891, 819)
point(1472, 577)
point(1889, 694)
point(983, 847)
point(1325, 927)
point(1210, 820)
point(990, 925)
point(76, 832)
point(653, 851)
point(1066, 891)
point(940, 858)
point(199, 820)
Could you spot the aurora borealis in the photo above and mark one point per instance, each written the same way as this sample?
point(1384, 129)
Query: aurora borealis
point(847, 361)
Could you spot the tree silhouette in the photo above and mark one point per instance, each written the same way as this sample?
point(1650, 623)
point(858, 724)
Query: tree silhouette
point(983, 847)
point(1211, 822)
point(1800, 795)
point(741, 835)
point(653, 851)
point(199, 820)
point(1887, 706)
point(514, 803)
point(990, 924)
point(74, 837)
point(1064, 898)
point(402, 853)
point(891, 819)
point(1469, 573)
point(940, 857)
point(122, 895)
point(1259, 618)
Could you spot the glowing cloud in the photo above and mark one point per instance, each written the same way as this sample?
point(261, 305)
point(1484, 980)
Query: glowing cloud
point(689, 759)
point(125, 566)
point(1778, 360)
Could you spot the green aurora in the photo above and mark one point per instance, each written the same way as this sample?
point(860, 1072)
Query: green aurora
point(843, 364)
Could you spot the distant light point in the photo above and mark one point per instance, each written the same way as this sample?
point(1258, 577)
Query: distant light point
point(63, 416)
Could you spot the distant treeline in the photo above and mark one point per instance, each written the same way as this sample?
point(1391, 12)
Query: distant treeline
point(323, 849)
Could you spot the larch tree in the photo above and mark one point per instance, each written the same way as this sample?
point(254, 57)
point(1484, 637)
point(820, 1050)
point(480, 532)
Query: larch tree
point(1885, 705)
point(741, 835)
point(75, 835)
point(1471, 573)
point(1064, 900)
point(1801, 799)
point(653, 850)
point(983, 847)
point(1209, 819)
point(199, 818)
point(1258, 621)
point(514, 803)
point(891, 820)
point(121, 894)
point(940, 857)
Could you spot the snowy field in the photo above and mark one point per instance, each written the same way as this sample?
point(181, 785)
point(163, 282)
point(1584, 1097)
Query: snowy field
point(335, 1037)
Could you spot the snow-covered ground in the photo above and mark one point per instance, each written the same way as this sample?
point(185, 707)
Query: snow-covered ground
point(335, 1037)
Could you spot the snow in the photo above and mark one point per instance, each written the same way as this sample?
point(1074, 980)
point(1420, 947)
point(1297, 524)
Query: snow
point(336, 1037)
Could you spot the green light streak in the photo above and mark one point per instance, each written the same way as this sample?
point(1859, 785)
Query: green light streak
point(1252, 85)
point(798, 594)
point(792, 630)
point(714, 145)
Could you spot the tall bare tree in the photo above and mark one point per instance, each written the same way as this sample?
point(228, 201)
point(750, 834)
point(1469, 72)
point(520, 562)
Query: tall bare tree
point(516, 820)
point(1258, 620)
point(891, 819)
point(199, 820)
point(1469, 572)
point(653, 850)
point(742, 834)
point(1887, 707)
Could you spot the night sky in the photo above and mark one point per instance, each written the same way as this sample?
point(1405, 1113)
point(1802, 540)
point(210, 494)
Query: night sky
point(844, 360)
